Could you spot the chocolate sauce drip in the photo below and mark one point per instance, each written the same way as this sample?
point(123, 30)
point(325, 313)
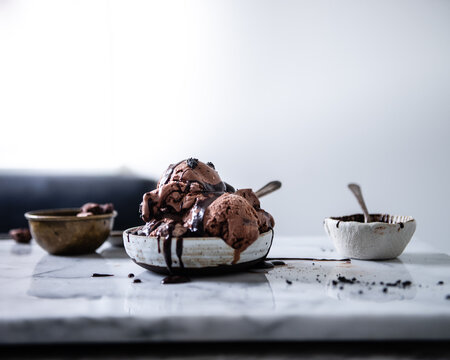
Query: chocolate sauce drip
point(179, 251)
point(199, 209)
point(229, 188)
point(168, 173)
point(210, 188)
point(175, 279)
point(167, 244)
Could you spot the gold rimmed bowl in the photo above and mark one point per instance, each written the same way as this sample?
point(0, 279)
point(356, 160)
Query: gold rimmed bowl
point(62, 232)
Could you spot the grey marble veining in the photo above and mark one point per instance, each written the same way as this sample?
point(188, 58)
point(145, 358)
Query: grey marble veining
point(45, 298)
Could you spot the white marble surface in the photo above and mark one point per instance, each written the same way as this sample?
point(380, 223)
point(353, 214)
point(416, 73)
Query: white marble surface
point(48, 299)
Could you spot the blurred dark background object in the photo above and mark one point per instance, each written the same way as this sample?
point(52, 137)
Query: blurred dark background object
point(21, 193)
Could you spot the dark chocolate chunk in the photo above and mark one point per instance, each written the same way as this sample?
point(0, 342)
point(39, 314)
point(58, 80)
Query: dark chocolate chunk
point(343, 279)
point(137, 281)
point(406, 283)
point(210, 164)
point(289, 282)
point(447, 297)
point(22, 236)
point(440, 283)
point(385, 290)
point(192, 163)
point(131, 275)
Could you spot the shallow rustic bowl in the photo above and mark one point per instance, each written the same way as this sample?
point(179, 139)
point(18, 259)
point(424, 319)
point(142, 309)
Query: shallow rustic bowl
point(61, 232)
point(200, 255)
point(384, 238)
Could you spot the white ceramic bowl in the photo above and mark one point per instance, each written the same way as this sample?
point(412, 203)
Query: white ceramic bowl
point(385, 238)
point(200, 255)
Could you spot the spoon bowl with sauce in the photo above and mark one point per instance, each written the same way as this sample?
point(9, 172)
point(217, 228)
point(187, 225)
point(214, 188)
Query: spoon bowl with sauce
point(370, 236)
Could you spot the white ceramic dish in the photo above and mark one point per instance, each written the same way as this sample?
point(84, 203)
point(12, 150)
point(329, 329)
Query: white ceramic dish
point(199, 255)
point(385, 238)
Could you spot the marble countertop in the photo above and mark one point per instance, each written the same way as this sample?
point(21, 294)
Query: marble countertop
point(51, 299)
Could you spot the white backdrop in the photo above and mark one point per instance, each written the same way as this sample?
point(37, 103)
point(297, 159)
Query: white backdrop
point(313, 93)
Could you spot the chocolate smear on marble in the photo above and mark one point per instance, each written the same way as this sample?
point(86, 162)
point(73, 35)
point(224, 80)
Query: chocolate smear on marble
point(101, 275)
point(305, 259)
point(175, 279)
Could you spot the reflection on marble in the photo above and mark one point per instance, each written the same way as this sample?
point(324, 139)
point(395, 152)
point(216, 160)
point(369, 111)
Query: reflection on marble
point(21, 249)
point(48, 298)
point(54, 277)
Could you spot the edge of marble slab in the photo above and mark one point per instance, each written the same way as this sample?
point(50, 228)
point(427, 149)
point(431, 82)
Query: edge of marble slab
point(268, 328)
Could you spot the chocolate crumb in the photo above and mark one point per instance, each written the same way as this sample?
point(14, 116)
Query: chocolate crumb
point(337, 224)
point(341, 287)
point(406, 283)
point(289, 282)
point(192, 163)
point(101, 275)
point(447, 297)
point(131, 275)
point(343, 279)
point(385, 290)
point(360, 292)
point(137, 281)
point(334, 282)
point(440, 283)
point(211, 165)
point(402, 225)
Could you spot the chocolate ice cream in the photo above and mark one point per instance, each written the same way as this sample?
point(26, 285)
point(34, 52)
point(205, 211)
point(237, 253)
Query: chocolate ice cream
point(192, 200)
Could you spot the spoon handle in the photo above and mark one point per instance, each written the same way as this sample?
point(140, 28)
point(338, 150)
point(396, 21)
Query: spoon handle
point(268, 188)
point(356, 190)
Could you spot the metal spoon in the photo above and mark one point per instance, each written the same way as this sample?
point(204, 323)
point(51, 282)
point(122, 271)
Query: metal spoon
point(356, 190)
point(268, 188)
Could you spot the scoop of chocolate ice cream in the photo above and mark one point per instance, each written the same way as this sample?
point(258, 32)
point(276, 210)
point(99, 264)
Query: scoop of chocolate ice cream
point(232, 218)
point(180, 187)
point(192, 200)
point(265, 220)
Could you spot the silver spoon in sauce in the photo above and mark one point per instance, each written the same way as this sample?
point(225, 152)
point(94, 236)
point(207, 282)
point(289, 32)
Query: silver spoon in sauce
point(356, 190)
point(268, 188)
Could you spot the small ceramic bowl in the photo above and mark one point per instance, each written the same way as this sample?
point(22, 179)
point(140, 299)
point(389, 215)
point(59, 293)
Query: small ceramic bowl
point(384, 238)
point(61, 232)
point(199, 255)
